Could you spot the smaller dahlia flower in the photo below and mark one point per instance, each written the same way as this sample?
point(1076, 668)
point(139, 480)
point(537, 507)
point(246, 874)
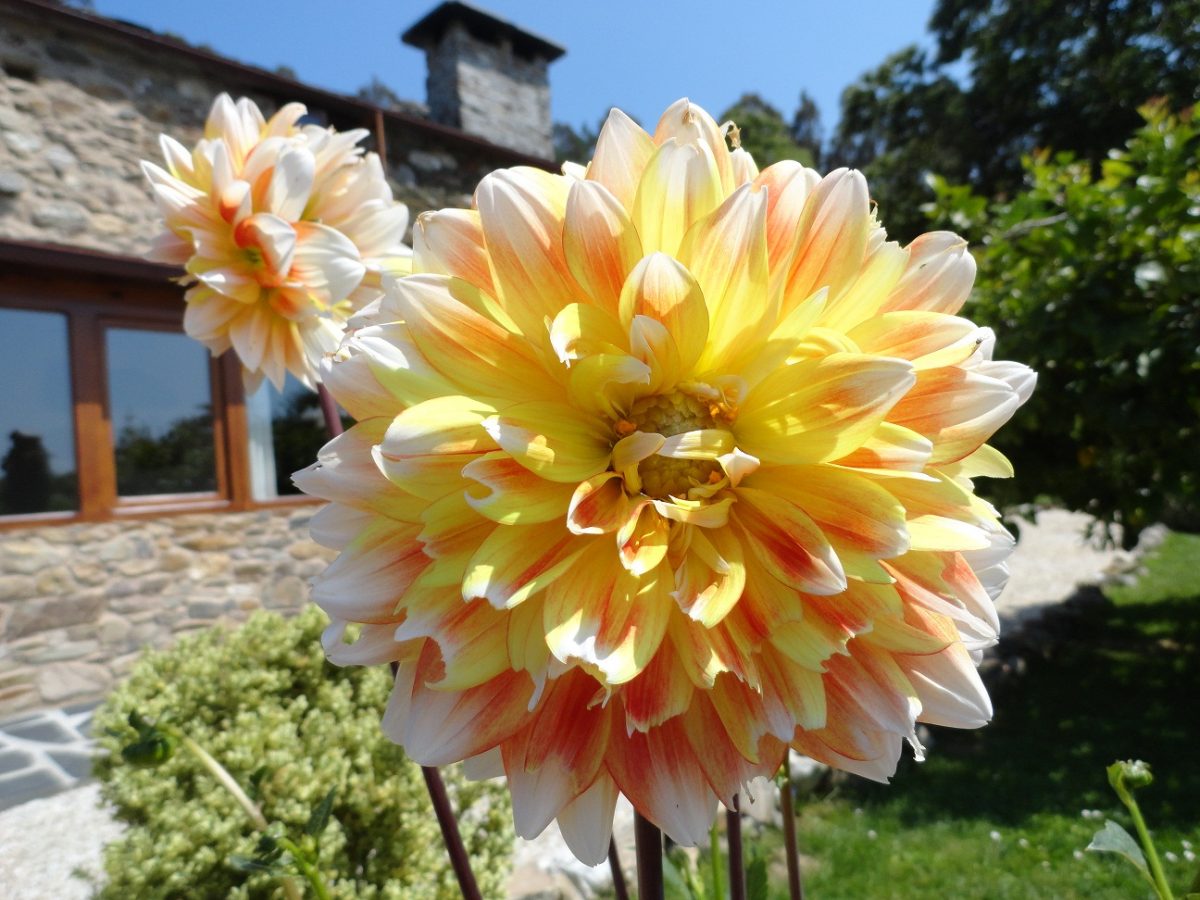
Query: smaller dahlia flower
point(284, 230)
point(665, 466)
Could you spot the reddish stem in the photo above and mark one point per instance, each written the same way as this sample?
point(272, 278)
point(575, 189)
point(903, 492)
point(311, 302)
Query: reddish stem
point(733, 837)
point(648, 840)
point(614, 862)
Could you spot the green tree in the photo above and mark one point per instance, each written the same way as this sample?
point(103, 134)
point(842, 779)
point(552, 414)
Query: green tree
point(574, 145)
point(1094, 280)
point(806, 127)
point(764, 132)
point(1006, 79)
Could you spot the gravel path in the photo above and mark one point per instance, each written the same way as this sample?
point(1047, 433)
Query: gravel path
point(43, 842)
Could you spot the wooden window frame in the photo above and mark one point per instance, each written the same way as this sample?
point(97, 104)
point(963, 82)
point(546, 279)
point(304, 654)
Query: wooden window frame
point(135, 295)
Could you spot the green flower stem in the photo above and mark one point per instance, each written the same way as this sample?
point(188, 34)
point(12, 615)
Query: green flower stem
point(714, 858)
point(310, 872)
point(251, 809)
point(1156, 869)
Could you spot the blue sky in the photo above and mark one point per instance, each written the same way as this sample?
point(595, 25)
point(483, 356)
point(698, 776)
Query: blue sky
point(637, 54)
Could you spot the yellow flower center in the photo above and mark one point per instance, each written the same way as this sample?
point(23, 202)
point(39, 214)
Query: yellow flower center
point(671, 414)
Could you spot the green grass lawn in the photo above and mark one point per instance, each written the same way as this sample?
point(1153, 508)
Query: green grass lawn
point(997, 813)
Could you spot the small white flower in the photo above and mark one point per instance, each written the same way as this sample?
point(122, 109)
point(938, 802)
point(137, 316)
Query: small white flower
point(1189, 855)
point(1187, 845)
point(1045, 863)
point(994, 835)
point(1023, 843)
point(1169, 856)
point(872, 834)
point(1078, 854)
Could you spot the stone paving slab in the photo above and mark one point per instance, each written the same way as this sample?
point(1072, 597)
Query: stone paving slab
point(44, 753)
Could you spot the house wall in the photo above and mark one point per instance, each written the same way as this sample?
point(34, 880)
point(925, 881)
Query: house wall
point(79, 107)
point(79, 602)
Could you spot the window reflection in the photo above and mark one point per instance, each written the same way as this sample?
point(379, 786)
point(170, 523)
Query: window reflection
point(37, 428)
point(161, 406)
point(287, 429)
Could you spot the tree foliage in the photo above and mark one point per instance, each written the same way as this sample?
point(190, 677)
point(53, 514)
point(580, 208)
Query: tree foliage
point(763, 131)
point(1006, 79)
point(1094, 280)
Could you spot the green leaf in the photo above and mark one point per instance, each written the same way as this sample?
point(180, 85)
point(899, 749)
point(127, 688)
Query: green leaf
point(255, 866)
point(1112, 838)
point(152, 749)
point(757, 887)
point(320, 815)
point(674, 887)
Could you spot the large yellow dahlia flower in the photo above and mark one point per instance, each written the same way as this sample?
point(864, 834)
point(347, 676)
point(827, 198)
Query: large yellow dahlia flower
point(284, 230)
point(662, 467)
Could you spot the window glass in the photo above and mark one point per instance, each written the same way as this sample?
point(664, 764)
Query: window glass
point(286, 431)
point(37, 427)
point(160, 401)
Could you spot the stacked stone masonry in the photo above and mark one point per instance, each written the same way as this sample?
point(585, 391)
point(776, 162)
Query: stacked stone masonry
point(79, 602)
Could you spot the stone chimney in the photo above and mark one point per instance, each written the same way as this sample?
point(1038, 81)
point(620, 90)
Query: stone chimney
point(487, 76)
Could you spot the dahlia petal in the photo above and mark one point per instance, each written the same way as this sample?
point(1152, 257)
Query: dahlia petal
point(484, 766)
point(929, 340)
point(479, 357)
point(581, 330)
point(845, 505)
point(377, 370)
point(600, 242)
point(557, 754)
point(450, 242)
point(727, 253)
point(427, 445)
point(833, 233)
point(272, 236)
point(877, 764)
point(939, 275)
point(660, 774)
point(207, 314)
point(679, 185)
point(661, 692)
point(605, 383)
point(470, 636)
point(442, 727)
point(326, 262)
point(956, 409)
point(712, 578)
point(516, 561)
point(704, 443)
point(880, 272)
point(685, 122)
point(521, 211)
point(793, 695)
point(661, 288)
point(622, 151)
point(725, 768)
point(598, 505)
point(510, 494)
point(949, 688)
point(345, 472)
point(557, 441)
point(291, 184)
point(891, 447)
point(586, 822)
point(374, 645)
point(788, 543)
point(788, 185)
point(654, 345)
point(642, 539)
point(604, 618)
point(820, 410)
point(371, 574)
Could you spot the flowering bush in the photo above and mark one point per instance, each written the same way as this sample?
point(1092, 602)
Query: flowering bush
point(265, 703)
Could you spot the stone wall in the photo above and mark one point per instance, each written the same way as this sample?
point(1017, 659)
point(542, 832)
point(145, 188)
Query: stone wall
point(79, 602)
point(487, 89)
